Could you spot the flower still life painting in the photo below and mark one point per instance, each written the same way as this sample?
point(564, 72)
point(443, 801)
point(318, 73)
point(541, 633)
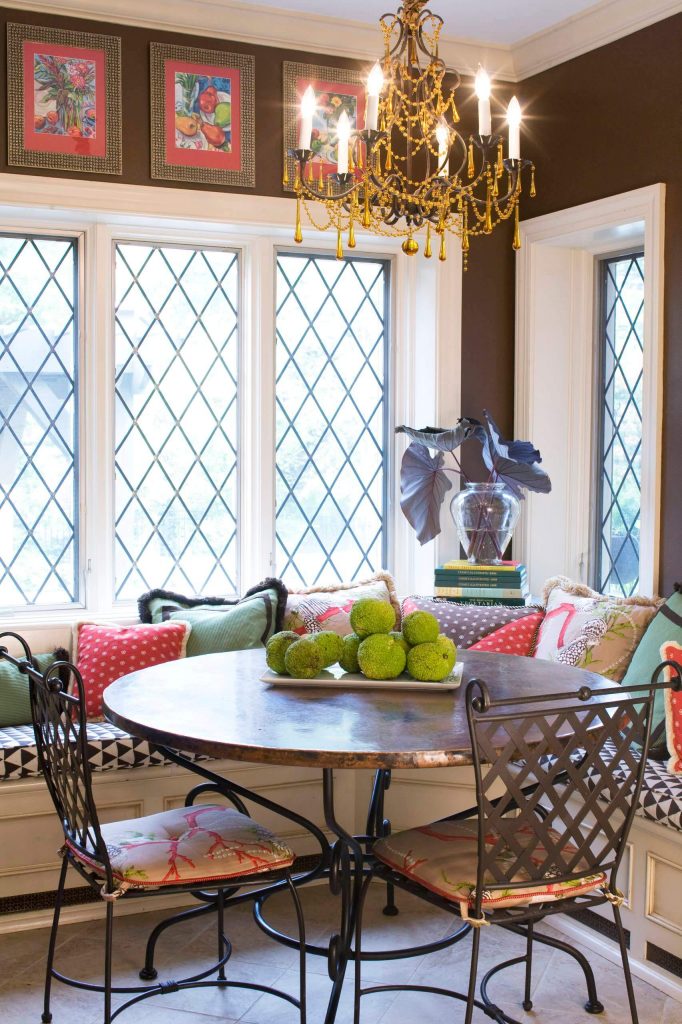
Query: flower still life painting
point(67, 112)
point(199, 129)
point(337, 91)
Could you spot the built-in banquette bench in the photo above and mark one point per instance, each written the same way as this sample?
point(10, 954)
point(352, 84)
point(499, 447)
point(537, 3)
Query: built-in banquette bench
point(133, 779)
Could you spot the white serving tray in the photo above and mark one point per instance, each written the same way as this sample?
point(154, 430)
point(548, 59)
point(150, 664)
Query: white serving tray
point(336, 678)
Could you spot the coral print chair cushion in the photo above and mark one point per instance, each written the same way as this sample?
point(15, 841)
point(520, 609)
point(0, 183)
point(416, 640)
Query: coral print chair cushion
point(591, 630)
point(443, 857)
point(190, 844)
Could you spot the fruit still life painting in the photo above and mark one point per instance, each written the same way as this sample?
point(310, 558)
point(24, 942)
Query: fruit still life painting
point(203, 112)
point(64, 96)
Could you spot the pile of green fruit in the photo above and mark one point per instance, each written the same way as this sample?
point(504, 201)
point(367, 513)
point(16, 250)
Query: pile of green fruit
point(375, 648)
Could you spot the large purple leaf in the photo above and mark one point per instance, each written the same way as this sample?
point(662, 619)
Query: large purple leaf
point(439, 439)
point(423, 485)
point(514, 463)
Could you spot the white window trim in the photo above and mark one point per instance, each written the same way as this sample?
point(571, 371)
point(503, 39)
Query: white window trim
point(425, 337)
point(554, 392)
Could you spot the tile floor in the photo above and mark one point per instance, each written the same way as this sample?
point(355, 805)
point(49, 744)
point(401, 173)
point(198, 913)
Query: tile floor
point(558, 994)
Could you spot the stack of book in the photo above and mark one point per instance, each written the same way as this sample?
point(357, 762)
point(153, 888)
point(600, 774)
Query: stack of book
point(467, 583)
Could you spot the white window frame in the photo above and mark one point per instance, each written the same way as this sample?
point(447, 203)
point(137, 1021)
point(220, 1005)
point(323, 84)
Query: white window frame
point(425, 363)
point(555, 400)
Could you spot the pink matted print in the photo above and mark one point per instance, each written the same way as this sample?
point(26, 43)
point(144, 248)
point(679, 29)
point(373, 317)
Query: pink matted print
point(202, 111)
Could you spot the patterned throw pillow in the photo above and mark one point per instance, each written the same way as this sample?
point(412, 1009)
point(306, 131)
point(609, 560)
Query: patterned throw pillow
point(105, 653)
point(471, 624)
point(320, 608)
point(590, 630)
point(665, 627)
point(15, 703)
point(158, 605)
point(672, 651)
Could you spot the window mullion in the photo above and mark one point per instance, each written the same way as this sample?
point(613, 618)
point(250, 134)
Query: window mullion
point(257, 421)
point(97, 425)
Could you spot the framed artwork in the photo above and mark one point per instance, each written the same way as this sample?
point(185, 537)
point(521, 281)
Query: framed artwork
point(336, 89)
point(63, 99)
point(202, 115)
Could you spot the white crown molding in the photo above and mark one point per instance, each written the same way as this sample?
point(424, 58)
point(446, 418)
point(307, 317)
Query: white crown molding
point(268, 26)
point(240, 21)
point(607, 21)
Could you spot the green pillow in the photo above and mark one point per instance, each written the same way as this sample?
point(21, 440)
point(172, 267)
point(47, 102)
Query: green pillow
point(664, 627)
point(247, 624)
point(15, 703)
point(159, 605)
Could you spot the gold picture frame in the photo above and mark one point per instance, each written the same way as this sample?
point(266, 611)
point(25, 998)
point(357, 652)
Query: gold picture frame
point(189, 141)
point(346, 85)
point(63, 99)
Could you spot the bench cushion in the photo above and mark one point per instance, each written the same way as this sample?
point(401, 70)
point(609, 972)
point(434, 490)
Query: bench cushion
point(109, 748)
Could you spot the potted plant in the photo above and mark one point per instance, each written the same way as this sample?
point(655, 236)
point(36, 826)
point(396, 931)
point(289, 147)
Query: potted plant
point(485, 513)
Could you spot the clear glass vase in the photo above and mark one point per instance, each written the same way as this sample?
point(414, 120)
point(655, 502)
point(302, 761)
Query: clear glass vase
point(485, 516)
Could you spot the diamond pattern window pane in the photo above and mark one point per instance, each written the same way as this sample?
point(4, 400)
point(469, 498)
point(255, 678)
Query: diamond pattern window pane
point(38, 421)
point(330, 417)
point(621, 434)
point(176, 419)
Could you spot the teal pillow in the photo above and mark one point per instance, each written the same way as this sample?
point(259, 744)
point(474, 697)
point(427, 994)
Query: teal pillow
point(159, 605)
point(665, 626)
point(247, 624)
point(15, 703)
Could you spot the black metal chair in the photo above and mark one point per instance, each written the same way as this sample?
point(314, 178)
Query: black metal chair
point(552, 842)
point(125, 860)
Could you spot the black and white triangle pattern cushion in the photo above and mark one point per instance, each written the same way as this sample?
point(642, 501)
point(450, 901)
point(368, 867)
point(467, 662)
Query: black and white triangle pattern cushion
point(661, 796)
point(109, 748)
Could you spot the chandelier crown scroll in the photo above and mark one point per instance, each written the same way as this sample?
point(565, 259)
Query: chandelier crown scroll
point(409, 171)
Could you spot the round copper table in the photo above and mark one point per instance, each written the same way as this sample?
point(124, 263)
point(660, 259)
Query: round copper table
point(218, 705)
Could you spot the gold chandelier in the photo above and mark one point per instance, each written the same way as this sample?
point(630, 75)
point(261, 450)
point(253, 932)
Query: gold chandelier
point(409, 171)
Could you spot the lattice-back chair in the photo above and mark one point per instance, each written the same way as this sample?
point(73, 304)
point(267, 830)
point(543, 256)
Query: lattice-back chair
point(551, 842)
point(210, 850)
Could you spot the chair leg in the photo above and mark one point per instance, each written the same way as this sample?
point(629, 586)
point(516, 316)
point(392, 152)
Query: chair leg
point(301, 947)
point(46, 1015)
point(358, 950)
point(626, 964)
point(527, 1001)
point(473, 974)
point(108, 947)
point(220, 907)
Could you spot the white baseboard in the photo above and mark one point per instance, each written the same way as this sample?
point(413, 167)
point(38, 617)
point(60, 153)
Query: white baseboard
point(654, 976)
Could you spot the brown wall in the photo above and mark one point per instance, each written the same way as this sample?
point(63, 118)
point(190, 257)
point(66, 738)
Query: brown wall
point(600, 124)
point(135, 99)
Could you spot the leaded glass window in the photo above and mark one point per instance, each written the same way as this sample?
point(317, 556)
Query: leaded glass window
point(619, 466)
point(176, 419)
point(38, 421)
point(331, 410)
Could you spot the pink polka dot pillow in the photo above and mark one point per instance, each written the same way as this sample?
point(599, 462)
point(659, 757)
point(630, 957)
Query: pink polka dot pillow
point(105, 653)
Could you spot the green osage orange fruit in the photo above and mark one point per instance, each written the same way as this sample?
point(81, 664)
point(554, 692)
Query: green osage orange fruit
point(330, 644)
point(303, 659)
point(349, 655)
point(276, 648)
point(380, 656)
point(420, 628)
point(371, 615)
point(429, 662)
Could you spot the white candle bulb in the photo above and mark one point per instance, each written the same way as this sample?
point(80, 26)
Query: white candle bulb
point(483, 92)
point(514, 122)
point(305, 131)
point(375, 84)
point(343, 135)
point(443, 137)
